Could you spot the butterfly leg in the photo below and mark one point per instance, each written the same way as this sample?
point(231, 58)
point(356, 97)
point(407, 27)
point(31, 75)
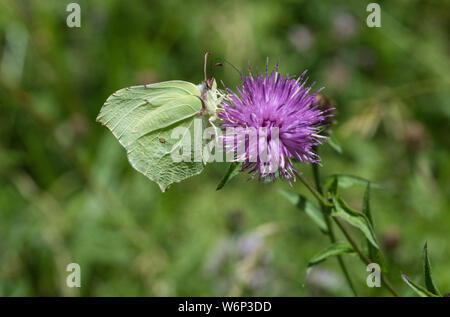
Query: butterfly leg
point(203, 110)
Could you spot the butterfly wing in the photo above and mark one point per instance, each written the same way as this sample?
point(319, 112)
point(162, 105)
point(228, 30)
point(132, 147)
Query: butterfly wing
point(140, 116)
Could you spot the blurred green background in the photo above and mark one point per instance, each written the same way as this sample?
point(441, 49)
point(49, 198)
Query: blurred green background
point(68, 194)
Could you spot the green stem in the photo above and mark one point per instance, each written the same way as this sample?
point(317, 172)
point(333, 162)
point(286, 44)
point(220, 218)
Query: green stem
point(330, 228)
point(319, 195)
point(313, 191)
point(363, 257)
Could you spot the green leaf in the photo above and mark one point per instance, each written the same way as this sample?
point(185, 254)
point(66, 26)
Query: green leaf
point(312, 210)
point(143, 118)
point(337, 248)
point(355, 218)
point(374, 254)
point(347, 181)
point(429, 283)
point(333, 143)
point(366, 204)
point(332, 185)
point(419, 290)
point(232, 171)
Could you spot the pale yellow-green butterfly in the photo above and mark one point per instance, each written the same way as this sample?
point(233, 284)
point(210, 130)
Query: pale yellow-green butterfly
point(143, 117)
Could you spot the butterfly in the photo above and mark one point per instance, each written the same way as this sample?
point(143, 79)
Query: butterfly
point(141, 116)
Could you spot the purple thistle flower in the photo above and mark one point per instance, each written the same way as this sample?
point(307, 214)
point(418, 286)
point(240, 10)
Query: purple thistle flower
point(284, 118)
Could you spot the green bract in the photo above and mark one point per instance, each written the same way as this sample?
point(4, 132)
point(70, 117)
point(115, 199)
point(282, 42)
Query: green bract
point(143, 118)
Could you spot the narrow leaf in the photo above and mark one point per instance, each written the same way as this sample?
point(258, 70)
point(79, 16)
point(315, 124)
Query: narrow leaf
point(419, 290)
point(355, 218)
point(429, 283)
point(347, 181)
point(374, 254)
point(337, 248)
point(312, 210)
point(232, 171)
point(366, 204)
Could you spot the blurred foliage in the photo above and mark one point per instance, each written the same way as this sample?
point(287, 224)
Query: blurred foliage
point(68, 194)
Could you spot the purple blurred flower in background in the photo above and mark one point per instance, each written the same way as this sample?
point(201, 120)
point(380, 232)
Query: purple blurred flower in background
point(283, 112)
point(301, 37)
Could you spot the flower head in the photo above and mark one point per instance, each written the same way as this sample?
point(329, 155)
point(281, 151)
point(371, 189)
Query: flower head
point(271, 120)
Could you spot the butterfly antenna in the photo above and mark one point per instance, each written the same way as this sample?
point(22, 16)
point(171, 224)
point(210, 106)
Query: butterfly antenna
point(205, 64)
point(235, 68)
